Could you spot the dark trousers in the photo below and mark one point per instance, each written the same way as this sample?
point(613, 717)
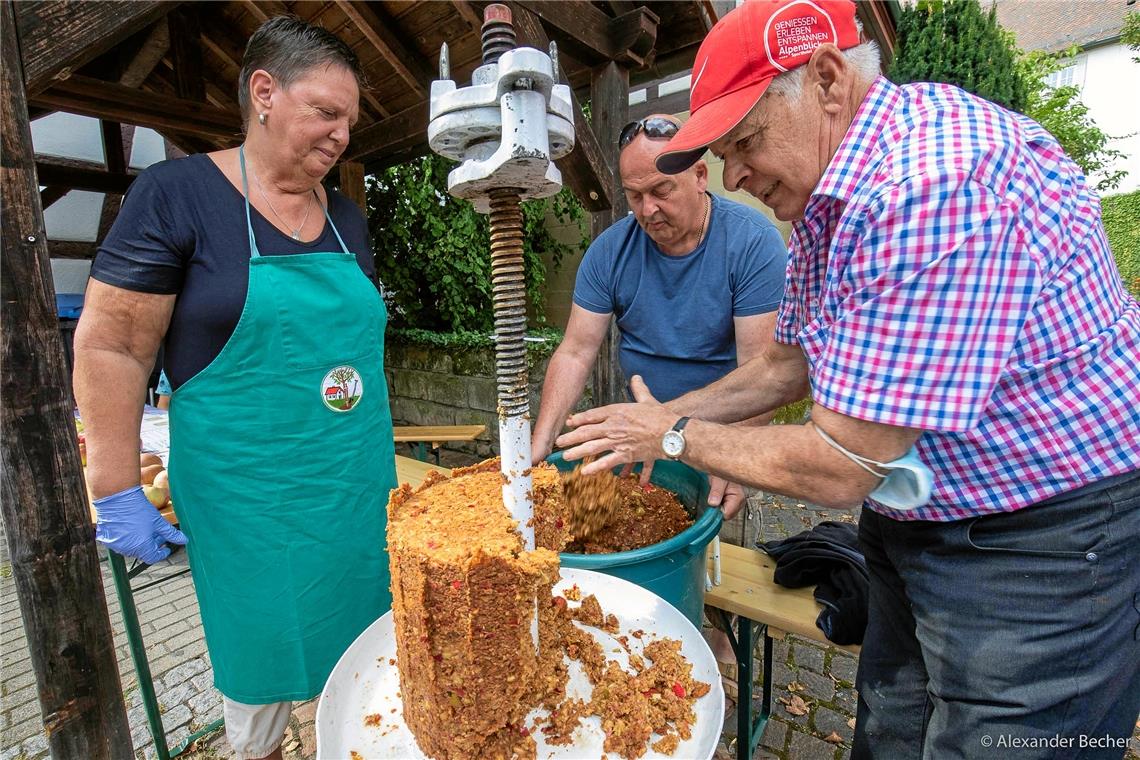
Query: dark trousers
point(1014, 635)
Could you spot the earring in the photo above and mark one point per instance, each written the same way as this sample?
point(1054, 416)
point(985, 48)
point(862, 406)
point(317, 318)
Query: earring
point(261, 119)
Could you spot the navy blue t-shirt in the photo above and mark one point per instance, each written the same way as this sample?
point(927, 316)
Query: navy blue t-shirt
point(182, 230)
point(675, 312)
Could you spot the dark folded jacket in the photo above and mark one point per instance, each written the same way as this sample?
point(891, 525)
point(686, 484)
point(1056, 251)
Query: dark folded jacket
point(829, 558)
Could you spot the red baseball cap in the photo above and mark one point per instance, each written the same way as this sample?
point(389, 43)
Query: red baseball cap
point(741, 56)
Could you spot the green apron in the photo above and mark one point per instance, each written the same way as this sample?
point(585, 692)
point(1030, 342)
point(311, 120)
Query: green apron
point(281, 462)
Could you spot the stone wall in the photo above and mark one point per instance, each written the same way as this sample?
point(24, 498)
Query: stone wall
point(432, 385)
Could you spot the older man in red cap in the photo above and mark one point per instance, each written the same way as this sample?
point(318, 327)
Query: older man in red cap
point(955, 312)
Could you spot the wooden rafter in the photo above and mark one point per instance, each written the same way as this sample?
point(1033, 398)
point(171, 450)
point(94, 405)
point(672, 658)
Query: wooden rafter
point(82, 175)
point(72, 249)
point(618, 7)
point(153, 49)
point(377, 27)
point(94, 97)
point(473, 18)
point(404, 134)
point(594, 37)
point(186, 53)
point(52, 193)
point(113, 150)
point(264, 10)
point(586, 169)
point(708, 14)
point(634, 35)
point(57, 38)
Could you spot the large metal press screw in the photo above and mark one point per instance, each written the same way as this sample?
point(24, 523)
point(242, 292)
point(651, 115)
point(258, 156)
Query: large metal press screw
point(508, 290)
point(508, 283)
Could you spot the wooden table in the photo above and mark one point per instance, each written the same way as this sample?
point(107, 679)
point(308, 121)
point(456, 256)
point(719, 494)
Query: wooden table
point(407, 471)
point(749, 590)
point(412, 471)
point(420, 435)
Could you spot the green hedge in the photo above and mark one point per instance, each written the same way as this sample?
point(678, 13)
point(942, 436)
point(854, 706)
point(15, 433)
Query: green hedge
point(1121, 215)
point(545, 340)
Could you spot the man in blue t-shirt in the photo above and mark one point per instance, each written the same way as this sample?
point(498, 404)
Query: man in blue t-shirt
point(693, 279)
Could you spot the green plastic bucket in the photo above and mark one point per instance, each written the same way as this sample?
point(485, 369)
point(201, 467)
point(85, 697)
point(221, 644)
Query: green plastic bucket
point(673, 569)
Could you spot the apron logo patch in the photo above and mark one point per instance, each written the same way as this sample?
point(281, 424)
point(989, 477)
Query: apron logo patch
point(342, 388)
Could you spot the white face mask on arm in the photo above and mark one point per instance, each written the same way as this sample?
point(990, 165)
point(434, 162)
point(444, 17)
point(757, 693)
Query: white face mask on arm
point(905, 486)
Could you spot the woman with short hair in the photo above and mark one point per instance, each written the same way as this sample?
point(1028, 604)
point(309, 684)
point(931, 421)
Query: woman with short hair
point(260, 284)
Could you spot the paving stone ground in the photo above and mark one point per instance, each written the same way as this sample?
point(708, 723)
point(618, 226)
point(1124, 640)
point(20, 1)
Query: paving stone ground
point(823, 677)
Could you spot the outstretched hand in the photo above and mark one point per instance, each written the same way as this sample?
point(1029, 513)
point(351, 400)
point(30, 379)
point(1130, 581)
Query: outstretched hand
point(728, 496)
point(619, 433)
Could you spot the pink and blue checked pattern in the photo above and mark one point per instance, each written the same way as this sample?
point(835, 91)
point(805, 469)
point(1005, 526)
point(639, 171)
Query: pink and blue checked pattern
point(951, 274)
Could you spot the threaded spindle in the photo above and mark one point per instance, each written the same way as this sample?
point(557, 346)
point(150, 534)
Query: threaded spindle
point(508, 292)
point(498, 32)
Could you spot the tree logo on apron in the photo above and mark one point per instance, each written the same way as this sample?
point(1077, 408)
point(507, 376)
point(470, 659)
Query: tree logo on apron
point(342, 388)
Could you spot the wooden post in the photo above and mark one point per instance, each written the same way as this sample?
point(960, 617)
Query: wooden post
point(46, 520)
point(609, 109)
point(352, 184)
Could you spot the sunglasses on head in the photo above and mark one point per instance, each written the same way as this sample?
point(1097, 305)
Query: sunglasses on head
point(654, 127)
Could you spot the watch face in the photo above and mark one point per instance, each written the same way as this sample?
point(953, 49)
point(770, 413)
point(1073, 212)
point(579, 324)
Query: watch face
point(673, 443)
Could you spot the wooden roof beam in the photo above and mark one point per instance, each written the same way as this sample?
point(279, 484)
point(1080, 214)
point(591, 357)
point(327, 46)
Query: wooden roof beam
point(51, 194)
point(107, 100)
point(58, 38)
point(186, 53)
point(590, 35)
point(403, 135)
point(473, 18)
point(151, 52)
point(618, 7)
point(72, 249)
point(377, 27)
point(265, 10)
point(82, 175)
point(585, 169)
point(114, 150)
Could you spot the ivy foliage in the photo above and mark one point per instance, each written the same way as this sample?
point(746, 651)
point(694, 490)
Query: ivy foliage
point(1121, 217)
point(540, 342)
point(956, 42)
point(433, 251)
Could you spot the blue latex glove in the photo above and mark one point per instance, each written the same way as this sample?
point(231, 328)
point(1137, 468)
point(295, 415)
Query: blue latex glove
point(131, 526)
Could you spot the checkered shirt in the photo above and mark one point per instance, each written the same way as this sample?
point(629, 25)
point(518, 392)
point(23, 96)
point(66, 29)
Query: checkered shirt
point(951, 274)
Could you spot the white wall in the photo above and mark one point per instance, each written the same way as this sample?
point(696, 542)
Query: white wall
point(1111, 90)
point(70, 275)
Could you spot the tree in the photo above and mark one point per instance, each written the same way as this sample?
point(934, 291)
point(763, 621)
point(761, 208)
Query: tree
point(1130, 34)
point(956, 42)
point(342, 376)
point(433, 251)
point(1060, 110)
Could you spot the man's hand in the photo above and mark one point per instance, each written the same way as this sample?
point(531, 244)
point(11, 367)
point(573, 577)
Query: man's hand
point(539, 449)
point(130, 525)
point(628, 432)
point(728, 496)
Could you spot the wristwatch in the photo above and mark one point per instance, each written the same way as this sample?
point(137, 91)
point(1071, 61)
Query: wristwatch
point(673, 442)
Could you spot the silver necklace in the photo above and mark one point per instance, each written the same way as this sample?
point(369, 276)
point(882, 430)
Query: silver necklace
point(296, 233)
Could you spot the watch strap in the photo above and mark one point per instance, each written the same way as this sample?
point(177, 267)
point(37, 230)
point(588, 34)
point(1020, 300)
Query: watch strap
point(679, 425)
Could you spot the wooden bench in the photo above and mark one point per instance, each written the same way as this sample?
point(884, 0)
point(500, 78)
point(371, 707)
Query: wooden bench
point(418, 436)
point(748, 590)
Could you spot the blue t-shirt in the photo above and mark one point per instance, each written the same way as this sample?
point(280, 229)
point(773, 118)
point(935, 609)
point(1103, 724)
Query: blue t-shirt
point(182, 230)
point(675, 312)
